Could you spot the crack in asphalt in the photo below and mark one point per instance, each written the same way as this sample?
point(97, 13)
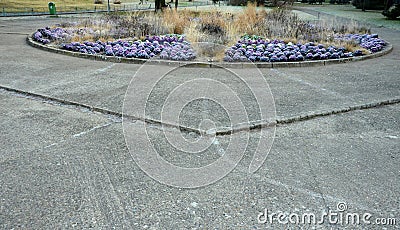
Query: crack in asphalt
point(116, 117)
point(77, 135)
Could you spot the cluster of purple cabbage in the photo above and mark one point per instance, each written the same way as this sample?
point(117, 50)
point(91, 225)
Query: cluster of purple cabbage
point(249, 48)
point(177, 51)
point(171, 47)
point(370, 42)
point(47, 35)
point(261, 50)
point(85, 47)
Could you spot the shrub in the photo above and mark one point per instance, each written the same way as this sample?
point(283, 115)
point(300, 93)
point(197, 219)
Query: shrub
point(368, 4)
point(393, 12)
point(237, 2)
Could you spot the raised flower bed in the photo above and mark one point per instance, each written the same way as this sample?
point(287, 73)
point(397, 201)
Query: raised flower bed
point(301, 43)
point(257, 49)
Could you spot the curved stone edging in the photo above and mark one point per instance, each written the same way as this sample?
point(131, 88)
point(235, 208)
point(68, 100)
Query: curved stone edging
point(388, 49)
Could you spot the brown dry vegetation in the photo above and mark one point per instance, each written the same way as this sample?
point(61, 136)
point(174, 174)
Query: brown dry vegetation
point(219, 27)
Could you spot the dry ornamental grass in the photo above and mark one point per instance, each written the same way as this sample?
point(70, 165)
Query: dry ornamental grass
point(254, 34)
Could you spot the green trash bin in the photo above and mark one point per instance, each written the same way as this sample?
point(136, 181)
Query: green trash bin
point(52, 8)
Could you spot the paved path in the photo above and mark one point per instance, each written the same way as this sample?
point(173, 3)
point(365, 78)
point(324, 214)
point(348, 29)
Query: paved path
point(64, 166)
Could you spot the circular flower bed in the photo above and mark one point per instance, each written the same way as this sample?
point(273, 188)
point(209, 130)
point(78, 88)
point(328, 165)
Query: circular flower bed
point(294, 40)
point(249, 48)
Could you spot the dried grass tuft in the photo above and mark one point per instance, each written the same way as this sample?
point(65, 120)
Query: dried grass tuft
point(216, 26)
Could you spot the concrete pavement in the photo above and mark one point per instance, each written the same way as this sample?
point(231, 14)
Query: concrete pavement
point(63, 166)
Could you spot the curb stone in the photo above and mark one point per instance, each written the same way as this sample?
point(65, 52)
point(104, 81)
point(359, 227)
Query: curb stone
point(232, 65)
point(221, 131)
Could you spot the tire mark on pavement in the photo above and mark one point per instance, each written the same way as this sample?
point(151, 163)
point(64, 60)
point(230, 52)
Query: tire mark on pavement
point(99, 204)
point(102, 204)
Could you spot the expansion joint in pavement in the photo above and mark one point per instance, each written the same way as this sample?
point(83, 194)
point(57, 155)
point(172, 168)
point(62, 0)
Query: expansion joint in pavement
point(222, 131)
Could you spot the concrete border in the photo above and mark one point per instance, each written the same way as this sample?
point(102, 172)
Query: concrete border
point(220, 131)
point(234, 65)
